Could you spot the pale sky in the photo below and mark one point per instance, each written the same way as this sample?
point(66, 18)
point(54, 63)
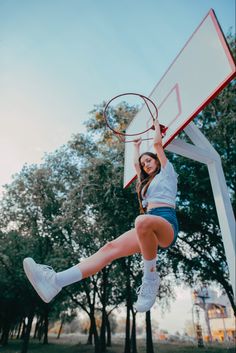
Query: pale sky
point(58, 58)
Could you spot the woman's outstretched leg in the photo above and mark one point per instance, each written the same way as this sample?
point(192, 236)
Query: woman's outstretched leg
point(125, 245)
point(48, 283)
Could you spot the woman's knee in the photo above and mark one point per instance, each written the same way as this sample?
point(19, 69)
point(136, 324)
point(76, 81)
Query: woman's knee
point(142, 224)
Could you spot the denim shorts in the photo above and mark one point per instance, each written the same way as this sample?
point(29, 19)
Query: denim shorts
point(169, 214)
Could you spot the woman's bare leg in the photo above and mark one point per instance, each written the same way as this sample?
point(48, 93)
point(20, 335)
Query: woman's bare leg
point(153, 231)
point(150, 231)
point(125, 245)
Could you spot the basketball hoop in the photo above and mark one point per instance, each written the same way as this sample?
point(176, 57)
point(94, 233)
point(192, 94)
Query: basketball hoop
point(122, 135)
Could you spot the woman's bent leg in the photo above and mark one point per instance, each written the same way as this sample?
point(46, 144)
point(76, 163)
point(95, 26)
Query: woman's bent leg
point(125, 245)
point(151, 231)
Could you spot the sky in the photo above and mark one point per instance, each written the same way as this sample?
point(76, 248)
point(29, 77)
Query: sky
point(59, 58)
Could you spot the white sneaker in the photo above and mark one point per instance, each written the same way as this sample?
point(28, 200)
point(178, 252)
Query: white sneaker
point(147, 293)
point(42, 278)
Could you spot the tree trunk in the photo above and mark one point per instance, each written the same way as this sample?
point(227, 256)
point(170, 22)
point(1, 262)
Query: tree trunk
point(90, 336)
point(103, 332)
point(40, 329)
point(128, 305)
point(127, 331)
point(95, 334)
point(93, 325)
point(45, 339)
point(36, 328)
point(108, 327)
point(104, 314)
point(13, 332)
point(60, 329)
point(25, 344)
point(149, 343)
point(19, 329)
point(133, 334)
point(5, 333)
point(23, 329)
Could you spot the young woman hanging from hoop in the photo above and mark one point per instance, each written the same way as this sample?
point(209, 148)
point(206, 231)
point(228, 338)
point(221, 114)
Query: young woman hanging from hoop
point(156, 228)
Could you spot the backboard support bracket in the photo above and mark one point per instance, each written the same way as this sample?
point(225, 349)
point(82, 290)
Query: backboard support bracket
point(202, 151)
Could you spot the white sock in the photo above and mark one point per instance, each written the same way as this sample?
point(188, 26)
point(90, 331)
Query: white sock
point(72, 275)
point(150, 268)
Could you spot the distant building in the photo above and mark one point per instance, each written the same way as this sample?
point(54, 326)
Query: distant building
point(219, 314)
point(222, 320)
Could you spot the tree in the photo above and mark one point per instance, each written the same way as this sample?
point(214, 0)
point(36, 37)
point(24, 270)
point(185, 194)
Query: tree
point(31, 207)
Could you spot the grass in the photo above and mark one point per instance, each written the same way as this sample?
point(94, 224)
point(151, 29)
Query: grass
point(70, 346)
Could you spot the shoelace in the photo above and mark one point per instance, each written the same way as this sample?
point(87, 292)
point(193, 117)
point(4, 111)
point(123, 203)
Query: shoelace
point(47, 270)
point(147, 288)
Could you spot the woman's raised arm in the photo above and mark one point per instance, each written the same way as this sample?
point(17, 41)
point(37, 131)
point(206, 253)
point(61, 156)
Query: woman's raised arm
point(157, 143)
point(137, 144)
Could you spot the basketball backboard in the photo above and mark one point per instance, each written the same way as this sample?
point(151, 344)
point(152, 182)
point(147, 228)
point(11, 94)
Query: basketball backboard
point(200, 71)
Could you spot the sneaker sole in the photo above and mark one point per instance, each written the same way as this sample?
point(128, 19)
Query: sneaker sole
point(143, 310)
point(28, 263)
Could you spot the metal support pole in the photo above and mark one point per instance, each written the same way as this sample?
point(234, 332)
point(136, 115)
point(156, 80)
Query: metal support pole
point(202, 151)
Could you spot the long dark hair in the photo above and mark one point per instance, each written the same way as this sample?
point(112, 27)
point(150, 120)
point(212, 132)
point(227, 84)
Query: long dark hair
point(145, 179)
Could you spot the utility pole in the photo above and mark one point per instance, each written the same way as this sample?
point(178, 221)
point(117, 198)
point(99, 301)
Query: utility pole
point(197, 326)
point(203, 295)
